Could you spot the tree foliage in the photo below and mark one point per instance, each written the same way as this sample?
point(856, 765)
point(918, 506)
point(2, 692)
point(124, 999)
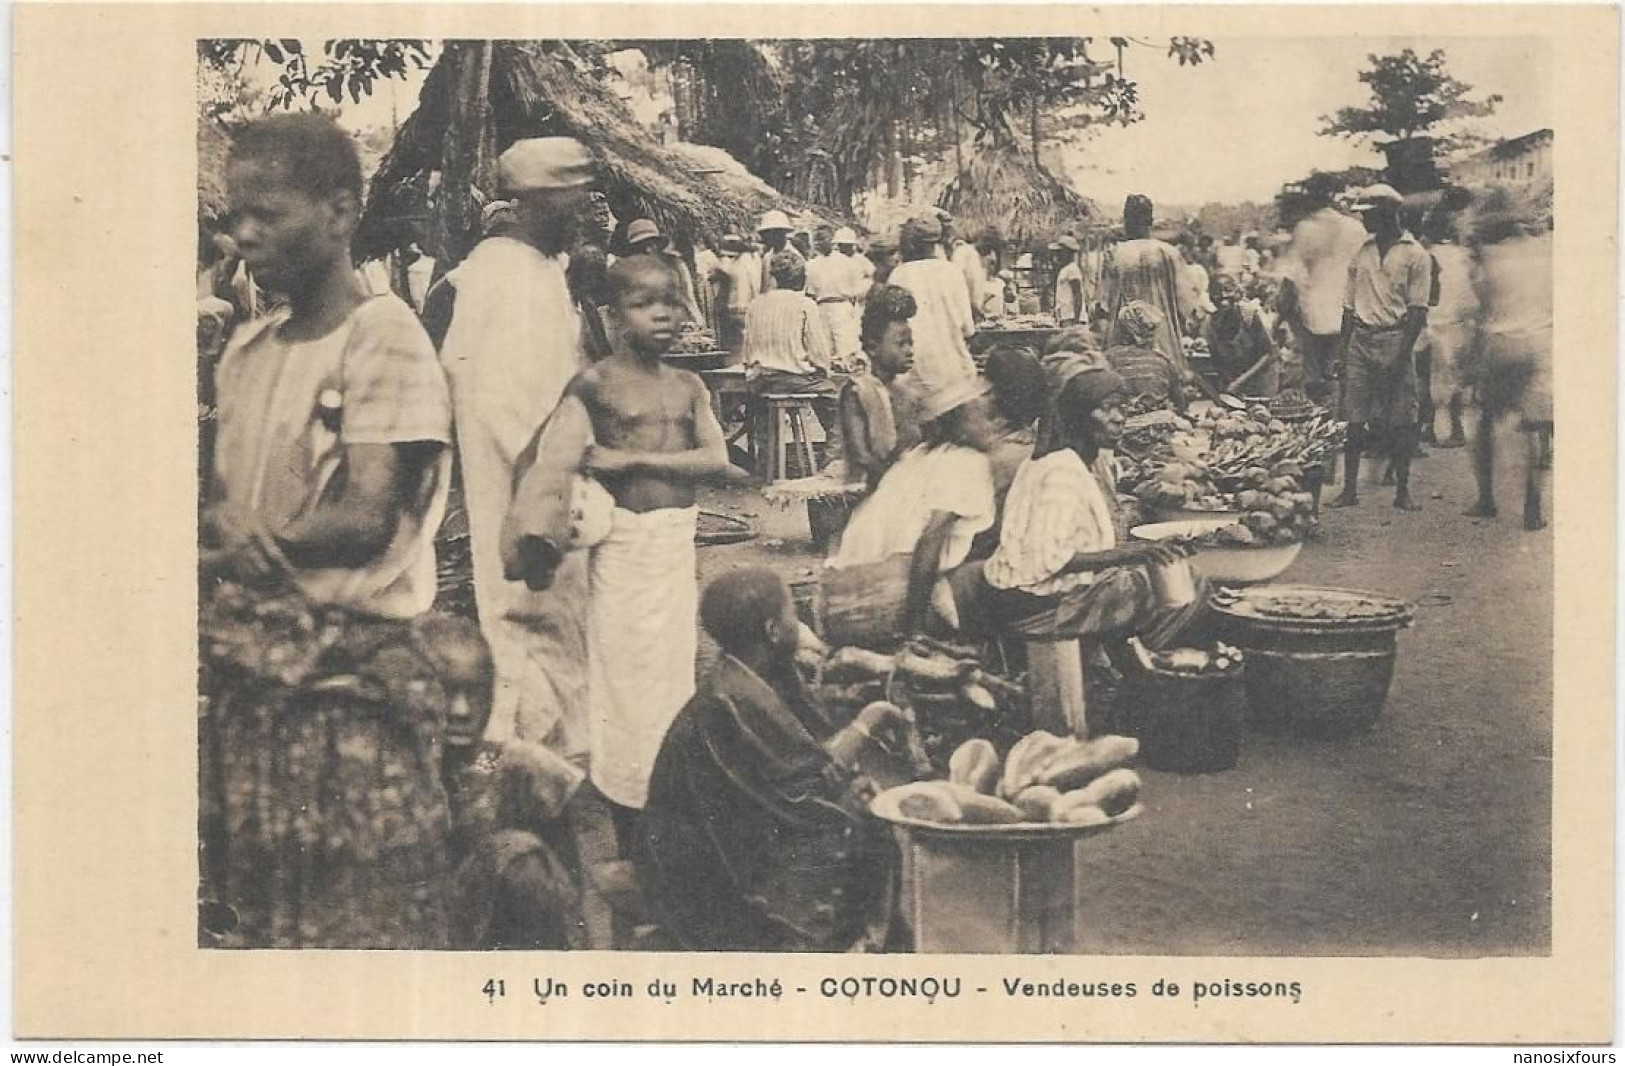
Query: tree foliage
point(1411, 96)
point(349, 66)
point(826, 118)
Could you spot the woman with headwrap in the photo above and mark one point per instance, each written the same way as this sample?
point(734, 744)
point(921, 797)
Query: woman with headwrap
point(1151, 376)
point(1059, 573)
point(1144, 268)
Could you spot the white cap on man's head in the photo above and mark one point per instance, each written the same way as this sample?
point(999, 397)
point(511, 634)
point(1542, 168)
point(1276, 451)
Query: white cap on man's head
point(774, 220)
point(844, 235)
point(545, 163)
point(1375, 195)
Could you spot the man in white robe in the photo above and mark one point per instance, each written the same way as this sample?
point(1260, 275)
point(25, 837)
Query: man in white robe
point(513, 345)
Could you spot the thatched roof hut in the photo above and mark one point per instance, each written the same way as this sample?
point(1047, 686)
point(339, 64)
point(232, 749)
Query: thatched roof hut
point(1002, 188)
point(481, 97)
point(213, 145)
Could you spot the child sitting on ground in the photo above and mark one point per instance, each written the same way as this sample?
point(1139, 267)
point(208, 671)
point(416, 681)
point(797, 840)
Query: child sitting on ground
point(654, 437)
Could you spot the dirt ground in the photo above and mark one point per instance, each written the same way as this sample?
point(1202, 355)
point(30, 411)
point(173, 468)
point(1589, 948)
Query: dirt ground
point(1429, 836)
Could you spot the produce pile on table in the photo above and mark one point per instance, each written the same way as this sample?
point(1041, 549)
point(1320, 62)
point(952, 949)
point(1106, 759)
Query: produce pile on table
point(952, 695)
point(1246, 463)
point(693, 340)
point(1044, 779)
point(1020, 322)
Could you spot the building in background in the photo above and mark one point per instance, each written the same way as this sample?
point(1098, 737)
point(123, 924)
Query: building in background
point(1522, 160)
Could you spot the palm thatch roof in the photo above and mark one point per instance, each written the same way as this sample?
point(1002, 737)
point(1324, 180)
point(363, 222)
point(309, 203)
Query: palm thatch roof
point(213, 145)
point(482, 96)
point(1001, 188)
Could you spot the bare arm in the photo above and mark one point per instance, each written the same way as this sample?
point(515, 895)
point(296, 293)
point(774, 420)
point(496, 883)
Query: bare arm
point(1415, 321)
point(855, 438)
point(354, 525)
point(922, 572)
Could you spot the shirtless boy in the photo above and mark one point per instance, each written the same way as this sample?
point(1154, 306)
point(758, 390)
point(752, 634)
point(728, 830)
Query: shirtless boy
point(655, 438)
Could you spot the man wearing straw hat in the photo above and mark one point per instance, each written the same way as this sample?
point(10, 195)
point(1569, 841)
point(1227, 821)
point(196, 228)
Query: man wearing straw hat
point(1385, 309)
point(513, 344)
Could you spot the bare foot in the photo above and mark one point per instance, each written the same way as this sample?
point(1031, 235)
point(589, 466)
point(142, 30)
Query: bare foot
point(1452, 442)
point(1481, 509)
point(1347, 499)
point(1533, 521)
point(1388, 477)
point(1403, 502)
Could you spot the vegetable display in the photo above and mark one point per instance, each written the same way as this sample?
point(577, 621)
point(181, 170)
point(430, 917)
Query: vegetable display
point(953, 697)
point(1249, 464)
point(1044, 779)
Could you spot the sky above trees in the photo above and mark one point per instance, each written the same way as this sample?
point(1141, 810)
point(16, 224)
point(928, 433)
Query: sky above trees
point(1236, 128)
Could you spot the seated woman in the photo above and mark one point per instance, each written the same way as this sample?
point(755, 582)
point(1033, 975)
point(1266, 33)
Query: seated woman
point(931, 504)
point(756, 835)
point(1059, 573)
point(1153, 379)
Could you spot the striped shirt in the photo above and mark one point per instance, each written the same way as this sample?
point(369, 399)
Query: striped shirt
point(783, 331)
point(1054, 511)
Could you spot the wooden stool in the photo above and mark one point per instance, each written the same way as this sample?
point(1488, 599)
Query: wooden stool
point(778, 450)
point(1056, 684)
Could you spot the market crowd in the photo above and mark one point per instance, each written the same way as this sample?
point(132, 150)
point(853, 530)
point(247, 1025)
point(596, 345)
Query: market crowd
point(376, 773)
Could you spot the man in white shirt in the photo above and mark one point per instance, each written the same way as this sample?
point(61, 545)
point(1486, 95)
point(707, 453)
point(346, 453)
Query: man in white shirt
point(1385, 309)
point(968, 259)
point(1071, 308)
point(943, 324)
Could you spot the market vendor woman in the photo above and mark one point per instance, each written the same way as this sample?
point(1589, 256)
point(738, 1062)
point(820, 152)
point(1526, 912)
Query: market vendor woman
point(1059, 573)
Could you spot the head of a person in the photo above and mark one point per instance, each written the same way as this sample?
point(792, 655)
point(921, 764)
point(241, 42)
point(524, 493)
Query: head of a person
point(1069, 248)
point(461, 660)
point(949, 233)
point(751, 615)
point(883, 253)
point(1075, 340)
point(957, 415)
point(1226, 290)
point(642, 294)
point(774, 230)
point(549, 180)
point(1140, 321)
point(789, 271)
point(990, 241)
point(1019, 386)
point(1379, 208)
point(1138, 214)
point(1090, 406)
point(919, 238)
point(801, 241)
point(823, 240)
point(885, 333)
point(589, 275)
point(845, 241)
point(644, 238)
point(294, 182)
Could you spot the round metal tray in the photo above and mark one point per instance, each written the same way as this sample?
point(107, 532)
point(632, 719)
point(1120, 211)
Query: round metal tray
point(1233, 604)
point(886, 811)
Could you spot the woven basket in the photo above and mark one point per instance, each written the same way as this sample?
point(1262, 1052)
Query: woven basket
point(1319, 693)
point(864, 606)
point(1186, 723)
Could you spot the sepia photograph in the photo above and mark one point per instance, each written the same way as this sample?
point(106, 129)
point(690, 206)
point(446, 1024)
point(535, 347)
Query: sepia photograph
point(1081, 495)
point(723, 524)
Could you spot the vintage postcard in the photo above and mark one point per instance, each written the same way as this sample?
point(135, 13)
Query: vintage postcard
point(669, 522)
